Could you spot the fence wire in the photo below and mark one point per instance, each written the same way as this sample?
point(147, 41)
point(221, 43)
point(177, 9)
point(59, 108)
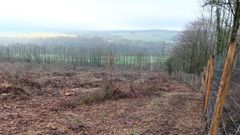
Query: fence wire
point(231, 115)
point(230, 121)
point(192, 80)
point(217, 73)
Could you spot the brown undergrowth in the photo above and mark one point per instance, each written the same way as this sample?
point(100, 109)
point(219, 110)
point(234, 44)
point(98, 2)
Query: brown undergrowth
point(66, 102)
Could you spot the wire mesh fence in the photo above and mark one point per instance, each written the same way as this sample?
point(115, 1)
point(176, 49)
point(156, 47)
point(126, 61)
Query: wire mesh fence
point(217, 73)
point(231, 114)
point(230, 119)
point(193, 80)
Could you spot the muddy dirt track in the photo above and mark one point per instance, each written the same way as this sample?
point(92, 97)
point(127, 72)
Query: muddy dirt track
point(49, 103)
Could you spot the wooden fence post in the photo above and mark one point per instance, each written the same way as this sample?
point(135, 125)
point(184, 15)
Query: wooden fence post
point(185, 76)
point(209, 83)
point(203, 79)
point(192, 80)
point(196, 82)
point(182, 75)
point(178, 75)
point(223, 88)
point(206, 79)
point(180, 78)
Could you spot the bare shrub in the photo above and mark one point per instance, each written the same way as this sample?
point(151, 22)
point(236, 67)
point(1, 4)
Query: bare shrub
point(105, 94)
point(108, 92)
point(66, 104)
point(89, 99)
point(13, 92)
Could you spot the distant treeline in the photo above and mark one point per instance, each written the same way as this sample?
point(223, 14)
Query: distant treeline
point(88, 52)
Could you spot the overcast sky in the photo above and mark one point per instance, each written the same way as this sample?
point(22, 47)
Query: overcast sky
point(43, 15)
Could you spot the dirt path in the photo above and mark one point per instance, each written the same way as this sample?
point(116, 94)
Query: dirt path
point(159, 107)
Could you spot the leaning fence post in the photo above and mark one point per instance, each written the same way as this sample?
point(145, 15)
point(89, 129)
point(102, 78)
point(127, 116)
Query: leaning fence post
point(206, 80)
point(196, 80)
point(185, 76)
point(192, 80)
point(203, 80)
point(199, 82)
point(209, 83)
point(180, 78)
point(178, 75)
point(181, 75)
point(223, 88)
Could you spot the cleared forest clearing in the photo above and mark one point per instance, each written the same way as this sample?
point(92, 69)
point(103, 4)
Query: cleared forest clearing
point(59, 102)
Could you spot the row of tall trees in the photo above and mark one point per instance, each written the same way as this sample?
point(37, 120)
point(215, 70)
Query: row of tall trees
point(209, 34)
point(88, 52)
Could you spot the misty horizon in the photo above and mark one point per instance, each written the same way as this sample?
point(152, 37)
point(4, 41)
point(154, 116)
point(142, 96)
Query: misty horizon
point(93, 15)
